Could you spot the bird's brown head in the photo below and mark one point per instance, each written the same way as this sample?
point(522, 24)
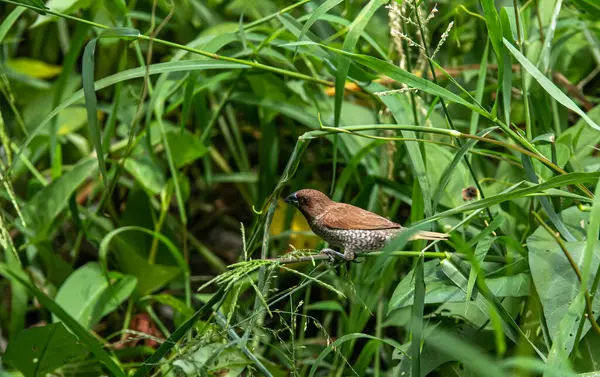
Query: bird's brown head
point(310, 202)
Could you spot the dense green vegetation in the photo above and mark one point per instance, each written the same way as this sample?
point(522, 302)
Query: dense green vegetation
point(146, 146)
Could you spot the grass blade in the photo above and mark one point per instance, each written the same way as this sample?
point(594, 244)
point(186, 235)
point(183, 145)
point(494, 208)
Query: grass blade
point(549, 86)
point(179, 66)
point(447, 174)
point(416, 323)
point(90, 92)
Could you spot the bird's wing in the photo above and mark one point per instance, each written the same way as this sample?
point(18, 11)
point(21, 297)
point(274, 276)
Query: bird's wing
point(346, 216)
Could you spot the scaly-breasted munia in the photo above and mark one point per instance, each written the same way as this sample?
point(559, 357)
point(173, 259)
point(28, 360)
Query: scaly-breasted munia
point(344, 225)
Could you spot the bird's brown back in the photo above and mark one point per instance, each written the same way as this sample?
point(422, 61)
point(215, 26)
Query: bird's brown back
point(347, 216)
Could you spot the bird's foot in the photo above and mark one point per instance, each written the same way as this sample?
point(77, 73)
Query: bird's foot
point(333, 255)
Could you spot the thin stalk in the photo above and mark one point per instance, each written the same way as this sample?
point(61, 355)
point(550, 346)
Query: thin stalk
point(588, 300)
point(447, 115)
point(410, 254)
point(523, 83)
point(452, 133)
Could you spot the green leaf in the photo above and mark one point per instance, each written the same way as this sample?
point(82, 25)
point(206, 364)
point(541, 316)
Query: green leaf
point(90, 92)
point(589, 7)
point(549, 86)
point(50, 201)
point(587, 355)
point(87, 295)
point(480, 252)
point(146, 172)
point(34, 68)
point(440, 289)
point(185, 147)
point(41, 350)
point(314, 17)
point(84, 336)
point(554, 278)
point(150, 276)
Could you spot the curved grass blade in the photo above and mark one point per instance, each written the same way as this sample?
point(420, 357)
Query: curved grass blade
point(179, 66)
point(511, 329)
point(9, 21)
point(90, 93)
point(84, 336)
point(314, 17)
point(549, 86)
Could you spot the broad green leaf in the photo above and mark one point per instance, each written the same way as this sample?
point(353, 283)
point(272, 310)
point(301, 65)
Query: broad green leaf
point(581, 141)
point(146, 173)
point(431, 358)
point(38, 351)
point(553, 276)
point(439, 289)
point(88, 296)
point(84, 336)
point(587, 357)
point(50, 201)
point(185, 147)
point(150, 276)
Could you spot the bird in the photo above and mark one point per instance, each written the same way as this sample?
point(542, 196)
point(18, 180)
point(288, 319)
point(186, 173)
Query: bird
point(349, 227)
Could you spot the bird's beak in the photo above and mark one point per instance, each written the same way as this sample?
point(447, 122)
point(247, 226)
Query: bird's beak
point(292, 199)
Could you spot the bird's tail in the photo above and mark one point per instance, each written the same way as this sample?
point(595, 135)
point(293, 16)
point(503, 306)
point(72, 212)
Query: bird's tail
point(423, 235)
